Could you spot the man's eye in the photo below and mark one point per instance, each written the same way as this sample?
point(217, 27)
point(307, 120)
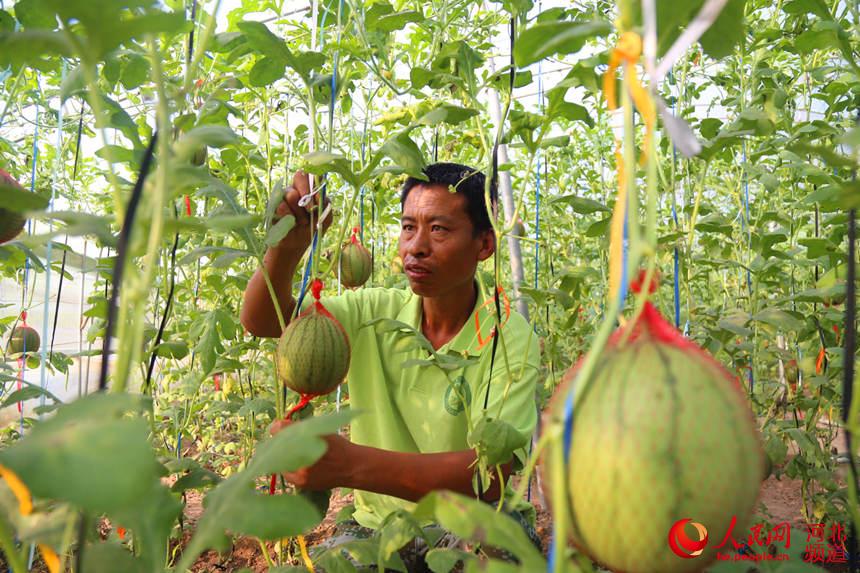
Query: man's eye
point(407, 227)
point(437, 228)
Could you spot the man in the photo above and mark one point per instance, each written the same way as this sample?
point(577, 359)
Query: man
point(411, 438)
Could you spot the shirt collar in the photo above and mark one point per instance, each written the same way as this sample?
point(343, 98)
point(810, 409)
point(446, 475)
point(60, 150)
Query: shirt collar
point(465, 342)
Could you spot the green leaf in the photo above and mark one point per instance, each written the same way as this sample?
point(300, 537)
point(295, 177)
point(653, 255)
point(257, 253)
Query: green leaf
point(235, 506)
point(573, 112)
point(257, 406)
point(20, 201)
point(263, 41)
point(779, 318)
point(110, 557)
point(279, 230)
point(735, 322)
point(296, 446)
point(398, 529)
point(496, 440)
point(28, 46)
point(726, 32)
point(548, 38)
point(322, 162)
point(28, 392)
point(398, 20)
point(446, 113)
point(178, 350)
point(444, 560)
point(266, 71)
point(74, 84)
point(817, 7)
point(106, 463)
point(119, 118)
point(204, 135)
point(120, 154)
point(599, 228)
point(582, 205)
point(405, 154)
point(135, 72)
point(475, 521)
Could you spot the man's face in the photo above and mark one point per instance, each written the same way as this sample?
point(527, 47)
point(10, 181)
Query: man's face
point(437, 242)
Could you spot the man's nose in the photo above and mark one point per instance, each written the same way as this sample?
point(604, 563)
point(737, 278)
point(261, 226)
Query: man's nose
point(419, 243)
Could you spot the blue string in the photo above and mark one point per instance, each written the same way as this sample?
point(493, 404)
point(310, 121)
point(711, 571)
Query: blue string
point(567, 442)
point(307, 273)
point(749, 244)
point(677, 286)
point(622, 288)
point(676, 279)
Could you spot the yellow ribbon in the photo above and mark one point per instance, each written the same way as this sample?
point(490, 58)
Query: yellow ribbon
point(303, 548)
point(25, 507)
point(52, 560)
point(627, 52)
point(25, 501)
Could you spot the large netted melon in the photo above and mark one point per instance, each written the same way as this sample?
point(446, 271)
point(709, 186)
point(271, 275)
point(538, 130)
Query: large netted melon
point(313, 353)
point(11, 222)
point(355, 264)
point(663, 434)
point(24, 339)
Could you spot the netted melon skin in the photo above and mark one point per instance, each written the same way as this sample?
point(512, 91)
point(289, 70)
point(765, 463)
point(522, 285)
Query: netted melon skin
point(11, 222)
point(355, 265)
point(313, 353)
point(24, 338)
point(663, 434)
point(11, 225)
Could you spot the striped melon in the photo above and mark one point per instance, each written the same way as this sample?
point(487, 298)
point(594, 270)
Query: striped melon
point(355, 264)
point(663, 434)
point(24, 339)
point(313, 353)
point(11, 222)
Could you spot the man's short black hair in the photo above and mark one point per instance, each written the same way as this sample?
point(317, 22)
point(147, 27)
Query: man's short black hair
point(463, 179)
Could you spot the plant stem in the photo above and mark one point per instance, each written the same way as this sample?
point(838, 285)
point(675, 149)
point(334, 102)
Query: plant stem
point(7, 544)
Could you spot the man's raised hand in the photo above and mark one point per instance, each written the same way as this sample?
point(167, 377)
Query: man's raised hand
point(299, 202)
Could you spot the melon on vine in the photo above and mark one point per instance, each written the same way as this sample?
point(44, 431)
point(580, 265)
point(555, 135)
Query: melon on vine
point(24, 339)
point(313, 353)
point(355, 263)
point(11, 222)
point(663, 434)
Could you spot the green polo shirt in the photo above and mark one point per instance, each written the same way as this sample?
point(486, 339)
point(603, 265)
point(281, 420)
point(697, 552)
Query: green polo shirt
point(410, 405)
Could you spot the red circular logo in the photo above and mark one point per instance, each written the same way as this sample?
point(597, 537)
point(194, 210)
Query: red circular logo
point(682, 545)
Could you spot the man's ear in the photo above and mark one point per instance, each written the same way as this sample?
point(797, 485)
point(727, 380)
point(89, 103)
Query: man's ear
point(488, 244)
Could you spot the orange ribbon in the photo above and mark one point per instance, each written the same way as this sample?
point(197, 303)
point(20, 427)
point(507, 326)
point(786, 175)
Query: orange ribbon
point(627, 52)
point(481, 340)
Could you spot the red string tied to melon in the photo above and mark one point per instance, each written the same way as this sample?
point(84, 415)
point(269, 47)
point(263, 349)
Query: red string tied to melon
point(354, 236)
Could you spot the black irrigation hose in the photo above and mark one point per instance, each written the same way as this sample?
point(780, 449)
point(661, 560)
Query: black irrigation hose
point(191, 33)
point(119, 266)
point(164, 316)
point(57, 306)
point(63, 266)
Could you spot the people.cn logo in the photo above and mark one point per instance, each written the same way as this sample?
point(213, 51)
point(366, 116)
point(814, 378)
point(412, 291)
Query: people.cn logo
point(682, 545)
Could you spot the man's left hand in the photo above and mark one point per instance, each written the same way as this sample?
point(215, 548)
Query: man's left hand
point(330, 471)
